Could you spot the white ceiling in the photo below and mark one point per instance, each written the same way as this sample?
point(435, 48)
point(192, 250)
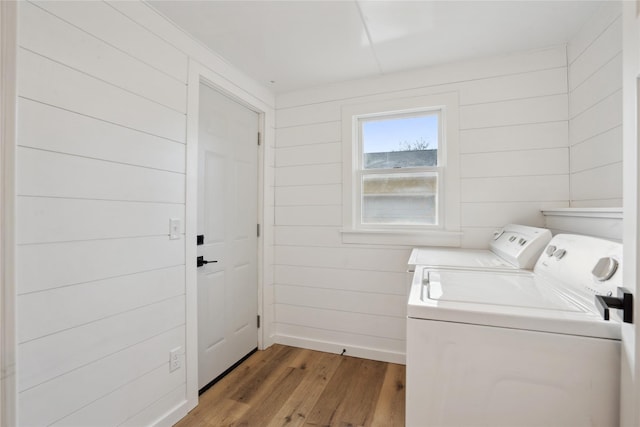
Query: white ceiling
point(288, 45)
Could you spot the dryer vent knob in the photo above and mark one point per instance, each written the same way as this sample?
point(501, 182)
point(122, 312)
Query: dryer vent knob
point(550, 250)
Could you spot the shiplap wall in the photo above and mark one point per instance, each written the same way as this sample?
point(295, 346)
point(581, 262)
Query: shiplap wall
point(101, 169)
point(514, 162)
point(595, 110)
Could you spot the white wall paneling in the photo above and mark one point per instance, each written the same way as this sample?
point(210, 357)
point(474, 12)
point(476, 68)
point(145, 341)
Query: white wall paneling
point(514, 161)
point(504, 113)
point(549, 161)
point(310, 134)
point(102, 164)
point(599, 183)
point(522, 137)
point(52, 83)
point(65, 132)
point(601, 117)
point(340, 300)
point(100, 20)
point(486, 214)
point(310, 154)
point(539, 188)
point(477, 69)
point(89, 302)
point(600, 150)
point(52, 219)
point(307, 195)
point(88, 383)
point(229, 77)
point(297, 235)
point(72, 348)
point(595, 109)
point(330, 173)
point(50, 174)
point(92, 260)
point(50, 36)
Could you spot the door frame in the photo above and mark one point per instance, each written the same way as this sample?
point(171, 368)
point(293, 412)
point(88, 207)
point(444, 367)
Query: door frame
point(8, 106)
point(199, 74)
point(630, 369)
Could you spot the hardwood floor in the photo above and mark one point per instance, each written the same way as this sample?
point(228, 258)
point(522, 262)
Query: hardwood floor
point(287, 386)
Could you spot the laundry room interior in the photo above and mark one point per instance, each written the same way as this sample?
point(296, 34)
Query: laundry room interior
point(194, 195)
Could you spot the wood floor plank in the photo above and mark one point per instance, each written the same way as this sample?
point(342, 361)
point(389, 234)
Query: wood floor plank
point(359, 406)
point(287, 386)
point(274, 399)
point(227, 413)
point(212, 400)
point(389, 411)
point(351, 395)
point(319, 368)
point(264, 379)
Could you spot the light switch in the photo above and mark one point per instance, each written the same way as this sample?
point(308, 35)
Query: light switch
point(174, 228)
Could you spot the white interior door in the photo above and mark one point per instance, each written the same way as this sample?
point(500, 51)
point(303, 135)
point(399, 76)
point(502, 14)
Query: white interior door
point(227, 217)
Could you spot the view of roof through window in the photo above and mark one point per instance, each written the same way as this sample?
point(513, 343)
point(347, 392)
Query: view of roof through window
point(400, 142)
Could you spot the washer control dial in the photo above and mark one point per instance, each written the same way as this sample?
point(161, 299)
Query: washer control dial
point(604, 269)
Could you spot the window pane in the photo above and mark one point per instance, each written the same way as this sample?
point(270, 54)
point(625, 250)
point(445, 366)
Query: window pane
point(400, 142)
point(401, 198)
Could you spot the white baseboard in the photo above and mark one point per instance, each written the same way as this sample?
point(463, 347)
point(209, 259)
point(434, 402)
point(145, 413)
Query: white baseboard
point(174, 415)
point(331, 347)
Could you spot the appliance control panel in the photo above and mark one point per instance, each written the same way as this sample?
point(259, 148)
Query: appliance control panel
point(587, 264)
point(520, 245)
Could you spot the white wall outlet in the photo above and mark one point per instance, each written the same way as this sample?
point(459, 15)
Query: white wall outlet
point(174, 228)
point(175, 359)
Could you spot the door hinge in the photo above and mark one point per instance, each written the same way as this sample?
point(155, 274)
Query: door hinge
point(258, 321)
point(259, 138)
point(258, 229)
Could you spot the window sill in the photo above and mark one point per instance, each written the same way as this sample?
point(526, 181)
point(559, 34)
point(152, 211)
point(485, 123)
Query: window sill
point(402, 237)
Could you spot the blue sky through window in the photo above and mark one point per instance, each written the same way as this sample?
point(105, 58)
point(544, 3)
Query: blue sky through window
point(398, 134)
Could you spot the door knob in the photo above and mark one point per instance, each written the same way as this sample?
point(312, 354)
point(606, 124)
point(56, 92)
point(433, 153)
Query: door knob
point(202, 261)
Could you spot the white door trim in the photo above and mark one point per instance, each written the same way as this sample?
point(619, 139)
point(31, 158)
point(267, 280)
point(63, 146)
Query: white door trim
point(8, 40)
point(630, 363)
point(200, 74)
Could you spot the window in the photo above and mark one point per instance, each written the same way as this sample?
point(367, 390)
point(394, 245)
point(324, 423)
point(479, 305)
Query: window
point(400, 161)
point(399, 169)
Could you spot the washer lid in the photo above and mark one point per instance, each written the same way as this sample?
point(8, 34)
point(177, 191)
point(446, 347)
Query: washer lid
point(515, 301)
point(458, 258)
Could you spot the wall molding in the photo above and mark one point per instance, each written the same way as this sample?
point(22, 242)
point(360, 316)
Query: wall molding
point(331, 347)
point(605, 223)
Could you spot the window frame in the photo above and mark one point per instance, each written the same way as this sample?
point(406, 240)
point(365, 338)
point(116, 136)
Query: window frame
point(447, 231)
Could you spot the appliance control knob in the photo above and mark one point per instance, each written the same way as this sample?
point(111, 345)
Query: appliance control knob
point(604, 269)
point(512, 238)
point(559, 253)
point(522, 242)
point(550, 250)
point(498, 233)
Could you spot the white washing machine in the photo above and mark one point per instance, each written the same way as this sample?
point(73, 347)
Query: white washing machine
point(492, 348)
